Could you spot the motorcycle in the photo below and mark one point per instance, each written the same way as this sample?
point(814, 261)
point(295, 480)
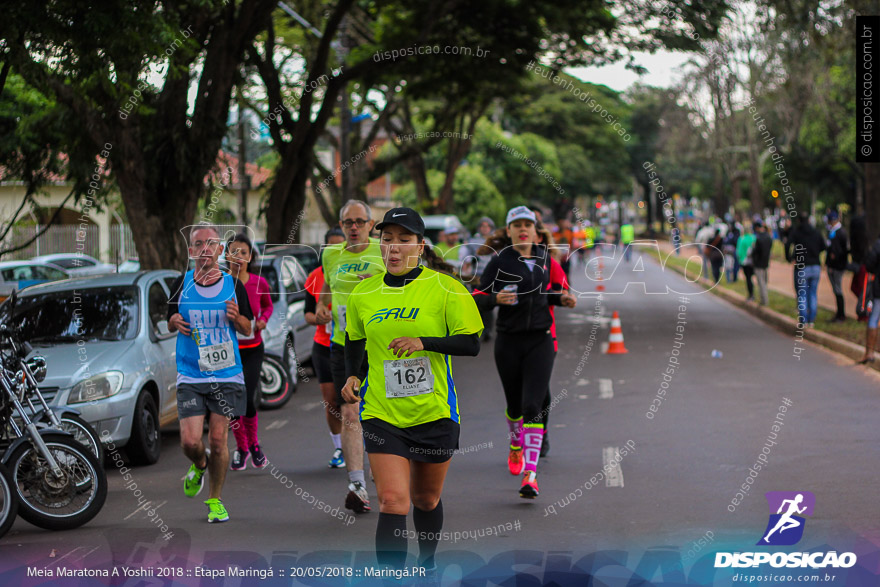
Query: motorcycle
point(58, 483)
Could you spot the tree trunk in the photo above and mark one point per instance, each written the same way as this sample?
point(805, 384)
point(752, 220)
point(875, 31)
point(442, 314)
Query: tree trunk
point(649, 208)
point(287, 198)
point(872, 199)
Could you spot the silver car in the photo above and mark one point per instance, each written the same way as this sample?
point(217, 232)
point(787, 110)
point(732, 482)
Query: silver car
point(288, 337)
point(76, 264)
point(17, 275)
point(109, 353)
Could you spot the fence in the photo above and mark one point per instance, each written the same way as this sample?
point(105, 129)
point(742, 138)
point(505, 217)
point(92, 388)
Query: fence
point(58, 239)
point(122, 244)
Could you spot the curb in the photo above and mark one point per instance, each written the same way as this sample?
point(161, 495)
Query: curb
point(785, 323)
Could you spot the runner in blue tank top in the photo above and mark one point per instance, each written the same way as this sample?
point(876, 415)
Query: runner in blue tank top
point(206, 309)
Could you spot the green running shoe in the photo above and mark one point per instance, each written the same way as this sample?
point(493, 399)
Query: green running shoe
point(194, 481)
point(217, 512)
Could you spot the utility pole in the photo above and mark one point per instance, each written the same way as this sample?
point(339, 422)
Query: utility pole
point(244, 180)
point(344, 116)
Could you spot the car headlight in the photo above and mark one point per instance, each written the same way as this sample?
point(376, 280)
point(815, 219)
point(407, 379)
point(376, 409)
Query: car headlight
point(96, 387)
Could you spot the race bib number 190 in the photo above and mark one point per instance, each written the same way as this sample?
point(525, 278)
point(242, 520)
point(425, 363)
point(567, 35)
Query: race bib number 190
point(408, 377)
point(216, 356)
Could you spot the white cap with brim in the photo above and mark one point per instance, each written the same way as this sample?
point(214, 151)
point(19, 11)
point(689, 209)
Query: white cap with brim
point(520, 213)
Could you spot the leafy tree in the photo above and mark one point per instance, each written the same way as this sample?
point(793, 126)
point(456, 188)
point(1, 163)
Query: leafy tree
point(121, 76)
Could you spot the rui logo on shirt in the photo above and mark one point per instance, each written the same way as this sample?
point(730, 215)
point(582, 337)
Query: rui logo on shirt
point(397, 313)
point(353, 267)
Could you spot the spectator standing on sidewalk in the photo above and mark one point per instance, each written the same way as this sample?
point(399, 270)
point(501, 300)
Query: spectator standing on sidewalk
point(805, 245)
point(837, 254)
point(728, 247)
point(744, 251)
point(872, 266)
point(712, 252)
point(859, 244)
point(761, 259)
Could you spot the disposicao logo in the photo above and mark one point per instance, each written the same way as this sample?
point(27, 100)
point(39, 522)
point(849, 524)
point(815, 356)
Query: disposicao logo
point(785, 527)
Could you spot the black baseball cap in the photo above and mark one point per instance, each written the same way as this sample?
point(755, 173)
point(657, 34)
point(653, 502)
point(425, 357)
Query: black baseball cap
point(405, 217)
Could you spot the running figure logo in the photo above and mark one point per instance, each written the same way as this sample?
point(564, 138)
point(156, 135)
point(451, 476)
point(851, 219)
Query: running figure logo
point(786, 526)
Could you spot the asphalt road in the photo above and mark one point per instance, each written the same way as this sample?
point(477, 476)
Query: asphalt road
point(674, 486)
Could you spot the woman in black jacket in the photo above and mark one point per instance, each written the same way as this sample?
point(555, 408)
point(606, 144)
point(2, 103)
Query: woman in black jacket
point(517, 281)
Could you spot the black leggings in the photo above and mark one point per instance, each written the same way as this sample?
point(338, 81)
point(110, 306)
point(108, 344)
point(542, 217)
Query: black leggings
point(525, 363)
point(749, 272)
point(251, 365)
point(545, 407)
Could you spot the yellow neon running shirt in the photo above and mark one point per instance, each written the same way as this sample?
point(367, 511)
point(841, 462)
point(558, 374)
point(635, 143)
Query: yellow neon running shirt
point(342, 271)
point(420, 387)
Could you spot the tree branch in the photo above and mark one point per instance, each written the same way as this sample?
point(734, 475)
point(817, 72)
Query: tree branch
point(41, 232)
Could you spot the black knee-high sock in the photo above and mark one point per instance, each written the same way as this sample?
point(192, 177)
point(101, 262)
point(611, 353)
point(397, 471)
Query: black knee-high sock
point(428, 525)
point(391, 542)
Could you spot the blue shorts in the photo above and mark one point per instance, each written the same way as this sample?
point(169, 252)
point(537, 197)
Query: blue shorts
point(874, 318)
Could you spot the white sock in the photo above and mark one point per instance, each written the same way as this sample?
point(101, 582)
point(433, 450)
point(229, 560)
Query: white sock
point(337, 440)
point(357, 476)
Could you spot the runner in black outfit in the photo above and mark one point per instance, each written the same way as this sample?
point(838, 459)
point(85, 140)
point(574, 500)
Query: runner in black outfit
point(517, 280)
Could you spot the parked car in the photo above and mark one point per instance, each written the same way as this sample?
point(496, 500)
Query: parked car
point(75, 263)
point(129, 266)
point(21, 274)
point(288, 337)
point(109, 353)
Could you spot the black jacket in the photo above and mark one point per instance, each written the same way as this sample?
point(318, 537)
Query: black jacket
point(805, 244)
point(761, 252)
point(838, 250)
point(532, 312)
point(872, 265)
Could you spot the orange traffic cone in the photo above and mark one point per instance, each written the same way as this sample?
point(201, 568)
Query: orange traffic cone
point(615, 340)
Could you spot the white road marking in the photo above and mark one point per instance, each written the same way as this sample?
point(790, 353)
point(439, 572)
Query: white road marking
point(582, 396)
point(55, 562)
point(581, 382)
point(145, 506)
point(276, 424)
point(88, 553)
point(606, 389)
point(311, 406)
point(611, 464)
point(604, 347)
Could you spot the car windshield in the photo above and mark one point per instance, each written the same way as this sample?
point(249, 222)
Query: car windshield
point(100, 313)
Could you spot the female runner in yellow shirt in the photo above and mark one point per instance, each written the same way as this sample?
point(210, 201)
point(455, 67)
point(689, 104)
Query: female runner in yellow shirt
point(409, 321)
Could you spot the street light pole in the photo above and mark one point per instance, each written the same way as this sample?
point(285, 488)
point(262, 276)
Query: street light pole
point(243, 177)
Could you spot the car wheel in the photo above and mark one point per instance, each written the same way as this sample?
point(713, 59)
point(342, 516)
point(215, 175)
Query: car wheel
point(275, 387)
point(145, 443)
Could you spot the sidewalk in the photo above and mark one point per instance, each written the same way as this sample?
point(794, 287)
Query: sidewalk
point(780, 278)
point(843, 338)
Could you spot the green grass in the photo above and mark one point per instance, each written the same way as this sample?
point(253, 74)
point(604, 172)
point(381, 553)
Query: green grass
point(786, 305)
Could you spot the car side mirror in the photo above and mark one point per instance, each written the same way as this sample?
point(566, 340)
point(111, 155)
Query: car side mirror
point(162, 327)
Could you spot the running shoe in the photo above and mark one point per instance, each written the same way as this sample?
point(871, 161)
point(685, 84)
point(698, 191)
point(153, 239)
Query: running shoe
point(216, 511)
point(515, 461)
point(194, 481)
point(529, 489)
point(239, 460)
point(357, 499)
point(337, 461)
point(260, 459)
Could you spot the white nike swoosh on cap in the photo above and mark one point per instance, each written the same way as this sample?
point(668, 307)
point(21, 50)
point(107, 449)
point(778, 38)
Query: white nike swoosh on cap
point(396, 215)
